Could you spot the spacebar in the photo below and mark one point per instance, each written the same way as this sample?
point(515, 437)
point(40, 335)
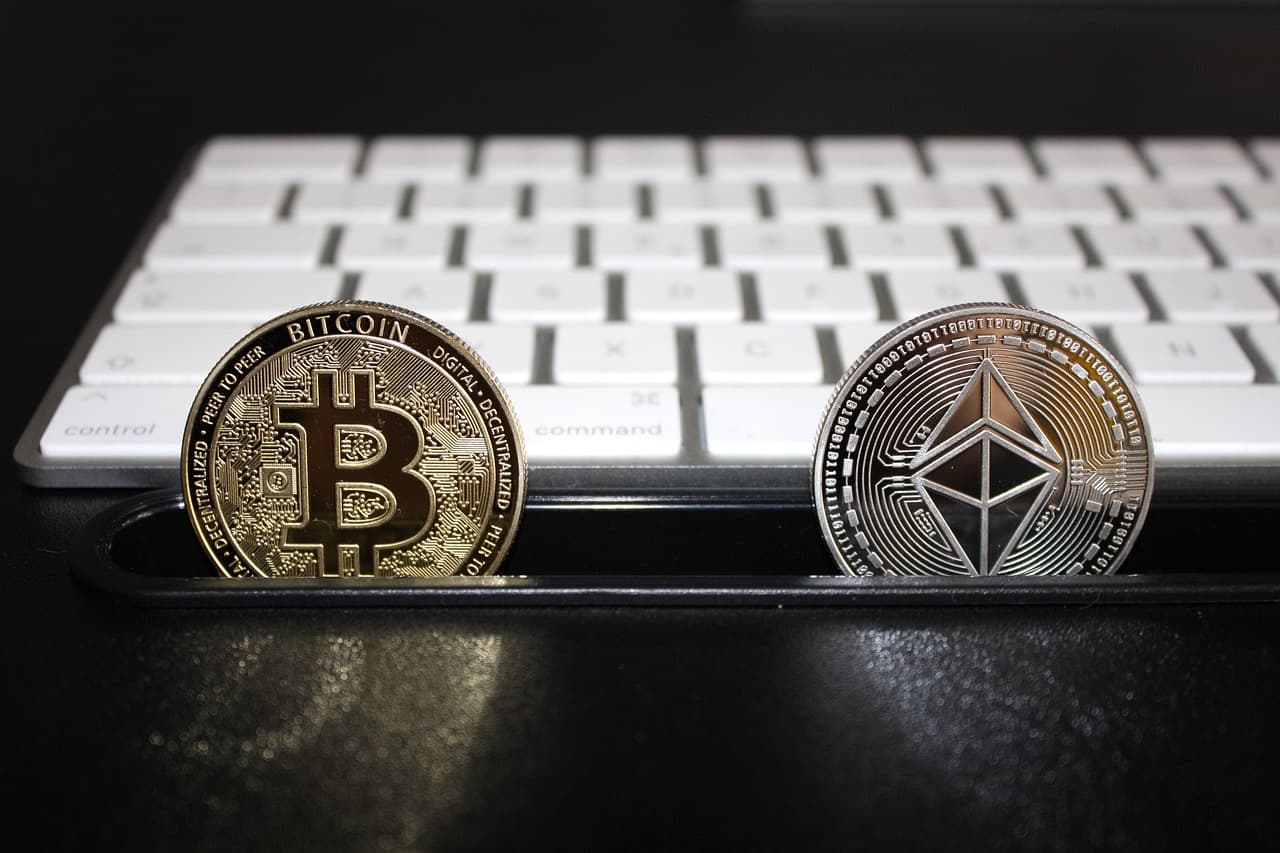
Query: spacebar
point(640, 422)
point(1213, 423)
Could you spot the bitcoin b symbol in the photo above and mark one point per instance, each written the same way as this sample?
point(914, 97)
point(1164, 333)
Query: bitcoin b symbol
point(348, 521)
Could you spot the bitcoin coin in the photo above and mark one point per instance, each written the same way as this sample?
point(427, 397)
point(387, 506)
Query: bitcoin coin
point(983, 440)
point(353, 439)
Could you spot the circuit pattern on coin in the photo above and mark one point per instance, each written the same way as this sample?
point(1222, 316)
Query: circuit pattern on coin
point(981, 440)
point(353, 439)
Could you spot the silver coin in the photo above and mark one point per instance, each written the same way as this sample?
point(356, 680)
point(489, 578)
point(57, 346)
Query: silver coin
point(983, 440)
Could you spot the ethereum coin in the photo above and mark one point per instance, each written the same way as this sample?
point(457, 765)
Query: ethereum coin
point(983, 439)
point(353, 439)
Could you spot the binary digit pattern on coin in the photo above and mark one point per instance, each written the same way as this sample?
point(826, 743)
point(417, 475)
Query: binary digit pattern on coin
point(353, 439)
point(984, 439)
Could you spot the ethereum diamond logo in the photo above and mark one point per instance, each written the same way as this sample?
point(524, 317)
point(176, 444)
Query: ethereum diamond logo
point(986, 471)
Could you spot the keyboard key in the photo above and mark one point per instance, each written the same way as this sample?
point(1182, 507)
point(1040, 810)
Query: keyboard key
point(763, 422)
point(1085, 298)
point(1176, 204)
point(1268, 152)
point(360, 201)
point(530, 157)
point(180, 354)
point(773, 245)
point(116, 423)
point(1213, 296)
point(758, 353)
point(507, 348)
point(1024, 247)
point(1182, 353)
point(1260, 201)
point(248, 297)
point(180, 246)
point(399, 245)
point(1247, 246)
point(755, 157)
point(1137, 247)
point(598, 422)
point(466, 202)
point(443, 295)
point(890, 247)
point(418, 158)
point(683, 297)
point(1092, 160)
point(264, 158)
point(942, 204)
point(981, 159)
point(815, 297)
point(615, 354)
point(823, 202)
point(544, 246)
point(643, 158)
point(647, 246)
point(704, 201)
point(1199, 160)
point(1213, 423)
point(228, 203)
point(1266, 340)
point(873, 158)
point(547, 297)
point(916, 292)
point(853, 339)
point(585, 202)
point(1060, 204)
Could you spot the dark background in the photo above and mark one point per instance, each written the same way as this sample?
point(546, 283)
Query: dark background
point(1134, 726)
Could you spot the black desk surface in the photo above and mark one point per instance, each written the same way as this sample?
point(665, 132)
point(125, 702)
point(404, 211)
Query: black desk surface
point(1052, 726)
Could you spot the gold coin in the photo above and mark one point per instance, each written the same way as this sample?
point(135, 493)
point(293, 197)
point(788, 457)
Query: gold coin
point(353, 439)
point(981, 440)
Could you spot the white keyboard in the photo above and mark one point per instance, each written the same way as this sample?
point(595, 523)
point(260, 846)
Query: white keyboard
point(669, 314)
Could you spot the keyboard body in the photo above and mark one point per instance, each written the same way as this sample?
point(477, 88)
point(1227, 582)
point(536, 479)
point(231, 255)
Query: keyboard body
point(669, 313)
